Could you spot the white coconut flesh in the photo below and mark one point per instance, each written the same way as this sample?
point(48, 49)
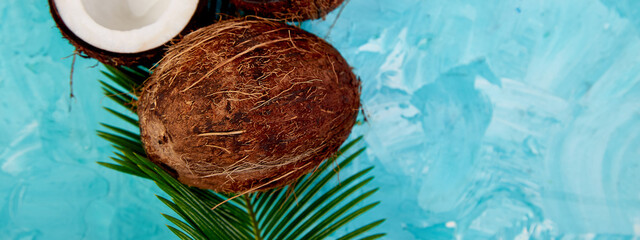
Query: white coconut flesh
point(126, 26)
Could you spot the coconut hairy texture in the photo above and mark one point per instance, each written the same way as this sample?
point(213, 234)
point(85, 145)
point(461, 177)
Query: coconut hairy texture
point(247, 105)
point(296, 10)
point(117, 35)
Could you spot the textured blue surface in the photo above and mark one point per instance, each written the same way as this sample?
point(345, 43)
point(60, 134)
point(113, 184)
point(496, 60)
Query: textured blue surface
point(486, 119)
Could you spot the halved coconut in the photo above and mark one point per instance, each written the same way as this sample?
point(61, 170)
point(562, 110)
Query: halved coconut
point(125, 32)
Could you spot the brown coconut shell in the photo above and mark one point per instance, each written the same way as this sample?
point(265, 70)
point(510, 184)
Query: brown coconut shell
point(247, 105)
point(147, 58)
point(294, 10)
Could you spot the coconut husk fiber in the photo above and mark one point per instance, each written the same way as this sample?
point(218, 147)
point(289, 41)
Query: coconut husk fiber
point(247, 105)
point(294, 10)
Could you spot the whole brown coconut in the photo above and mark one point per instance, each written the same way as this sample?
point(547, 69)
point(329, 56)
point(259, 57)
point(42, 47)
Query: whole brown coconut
point(296, 10)
point(246, 105)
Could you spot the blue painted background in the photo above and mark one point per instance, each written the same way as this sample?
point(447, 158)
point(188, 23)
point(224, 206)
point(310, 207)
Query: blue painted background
point(487, 119)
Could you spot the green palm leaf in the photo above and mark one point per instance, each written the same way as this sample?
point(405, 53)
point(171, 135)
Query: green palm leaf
point(310, 208)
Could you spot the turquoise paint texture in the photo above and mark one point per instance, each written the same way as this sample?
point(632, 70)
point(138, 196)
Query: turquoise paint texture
point(486, 119)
